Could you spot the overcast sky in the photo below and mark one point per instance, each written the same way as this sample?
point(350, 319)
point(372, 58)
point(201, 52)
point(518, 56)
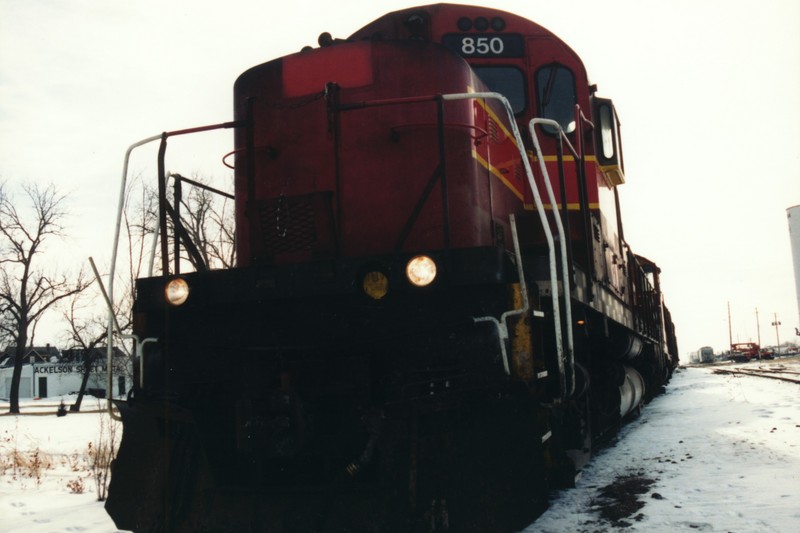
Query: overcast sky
point(708, 92)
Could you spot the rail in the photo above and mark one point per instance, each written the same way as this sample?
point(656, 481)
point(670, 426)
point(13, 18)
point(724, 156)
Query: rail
point(566, 268)
point(179, 230)
point(779, 374)
point(565, 243)
point(109, 296)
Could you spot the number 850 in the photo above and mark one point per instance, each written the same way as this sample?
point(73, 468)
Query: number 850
point(481, 45)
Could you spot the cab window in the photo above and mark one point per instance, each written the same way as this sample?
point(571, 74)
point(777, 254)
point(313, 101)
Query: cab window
point(608, 128)
point(555, 90)
point(508, 81)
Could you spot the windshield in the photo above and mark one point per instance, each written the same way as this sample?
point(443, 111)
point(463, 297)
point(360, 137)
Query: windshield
point(555, 88)
point(508, 81)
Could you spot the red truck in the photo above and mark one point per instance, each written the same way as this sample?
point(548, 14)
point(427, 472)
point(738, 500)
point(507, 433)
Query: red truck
point(744, 351)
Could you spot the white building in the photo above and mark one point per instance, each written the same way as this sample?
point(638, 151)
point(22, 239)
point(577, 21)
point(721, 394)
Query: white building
point(46, 376)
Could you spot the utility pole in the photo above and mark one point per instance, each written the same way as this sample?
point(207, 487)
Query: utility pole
point(758, 329)
point(730, 335)
point(777, 323)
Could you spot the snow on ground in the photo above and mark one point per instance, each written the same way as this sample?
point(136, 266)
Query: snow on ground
point(46, 485)
point(715, 453)
point(722, 453)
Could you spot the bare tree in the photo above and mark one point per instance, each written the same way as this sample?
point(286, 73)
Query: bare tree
point(208, 219)
point(85, 335)
point(140, 221)
point(27, 292)
point(88, 326)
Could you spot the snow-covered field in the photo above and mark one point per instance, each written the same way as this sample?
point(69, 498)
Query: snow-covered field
point(715, 453)
point(50, 488)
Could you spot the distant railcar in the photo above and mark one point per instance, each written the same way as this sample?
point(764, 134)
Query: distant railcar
point(435, 316)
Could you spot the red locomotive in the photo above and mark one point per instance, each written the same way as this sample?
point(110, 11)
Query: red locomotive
point(434, 315)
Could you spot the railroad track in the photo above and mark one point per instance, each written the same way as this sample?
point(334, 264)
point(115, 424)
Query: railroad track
point(776, 372)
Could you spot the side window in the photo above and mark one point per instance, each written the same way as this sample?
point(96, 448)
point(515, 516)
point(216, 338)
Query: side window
point(608, 130)
point(508, 81)
point(555, 91)
point(607, 141)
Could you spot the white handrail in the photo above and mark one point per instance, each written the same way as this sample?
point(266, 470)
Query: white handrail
point(113, 266)
point(115, 249)
point(562, 241)
point(501, 326)
point(542, 217)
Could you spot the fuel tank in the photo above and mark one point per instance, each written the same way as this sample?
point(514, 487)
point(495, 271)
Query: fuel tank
point(631, 391)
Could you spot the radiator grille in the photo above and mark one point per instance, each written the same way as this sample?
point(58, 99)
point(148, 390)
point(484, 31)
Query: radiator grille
point(295, 224)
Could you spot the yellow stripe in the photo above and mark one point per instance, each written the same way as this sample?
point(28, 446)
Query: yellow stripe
point(547, 159)
point(530, 207)
point(570, 207)
point(499, 175)
point(481, 102)
point(567, 157)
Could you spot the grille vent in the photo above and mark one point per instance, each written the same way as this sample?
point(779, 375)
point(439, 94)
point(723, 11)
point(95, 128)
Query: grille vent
point(292, 224)
point(287, 225)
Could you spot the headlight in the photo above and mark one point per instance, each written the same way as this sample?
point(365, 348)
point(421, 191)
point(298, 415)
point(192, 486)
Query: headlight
point(176, 291)
point(421, 270)
point(375, 284)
